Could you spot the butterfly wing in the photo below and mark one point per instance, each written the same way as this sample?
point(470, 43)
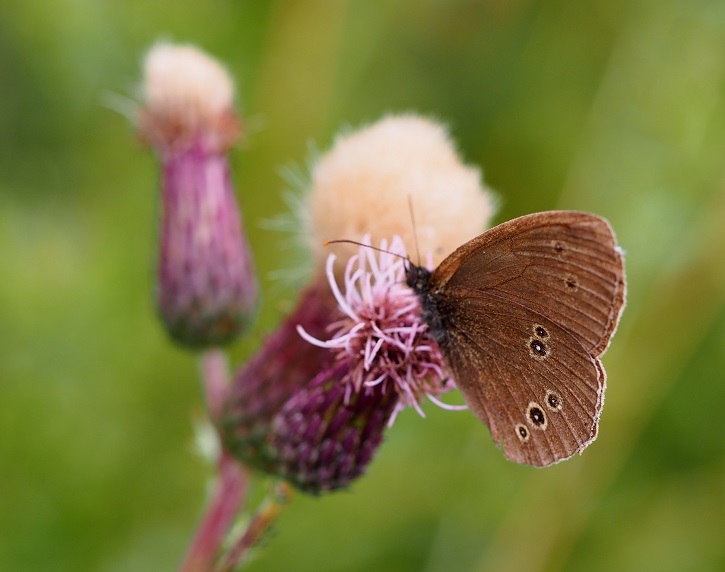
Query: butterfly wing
point(562, 264)
point(535, 386)
point(528, 307)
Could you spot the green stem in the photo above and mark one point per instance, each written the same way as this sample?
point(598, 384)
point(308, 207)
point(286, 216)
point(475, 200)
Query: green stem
point(261, 522)
point(232, 481)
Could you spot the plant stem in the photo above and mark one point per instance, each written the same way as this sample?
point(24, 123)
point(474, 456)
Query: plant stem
point(215, 378)
point(227, 500)
point(232, 480)
point(261, 522)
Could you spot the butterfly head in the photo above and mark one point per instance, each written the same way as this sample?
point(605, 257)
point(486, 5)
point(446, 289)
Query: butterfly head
point(417, 277)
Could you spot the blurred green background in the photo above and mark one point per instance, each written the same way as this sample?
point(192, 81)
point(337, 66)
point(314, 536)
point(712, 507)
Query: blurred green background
point(617, 107)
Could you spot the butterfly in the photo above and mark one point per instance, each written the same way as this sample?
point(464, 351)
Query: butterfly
point(522, 314)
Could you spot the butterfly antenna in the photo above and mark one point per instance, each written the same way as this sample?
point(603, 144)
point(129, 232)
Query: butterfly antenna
point(346, 241)
point(415, 230)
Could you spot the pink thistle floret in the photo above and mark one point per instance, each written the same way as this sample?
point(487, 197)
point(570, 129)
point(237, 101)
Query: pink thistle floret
point(381, 336)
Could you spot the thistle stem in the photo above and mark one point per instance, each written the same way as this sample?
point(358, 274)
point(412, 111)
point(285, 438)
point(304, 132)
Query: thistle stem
point(259, 524)
point(227, 500)
point(215, 378)
point(232, 481)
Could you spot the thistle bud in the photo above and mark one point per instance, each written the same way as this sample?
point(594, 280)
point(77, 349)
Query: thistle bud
point(206, 289)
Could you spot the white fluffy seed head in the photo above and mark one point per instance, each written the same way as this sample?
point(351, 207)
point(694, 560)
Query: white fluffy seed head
point(364, 183)
point(185, 93)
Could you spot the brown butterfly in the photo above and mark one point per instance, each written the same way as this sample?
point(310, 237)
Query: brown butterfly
point(522, 314)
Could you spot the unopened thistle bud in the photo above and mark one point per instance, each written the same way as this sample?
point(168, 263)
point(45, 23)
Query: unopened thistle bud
point(313, 404)
point(206, 289)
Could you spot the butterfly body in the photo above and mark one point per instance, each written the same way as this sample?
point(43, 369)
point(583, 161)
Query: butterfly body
point(522, 314)
point(418, 278)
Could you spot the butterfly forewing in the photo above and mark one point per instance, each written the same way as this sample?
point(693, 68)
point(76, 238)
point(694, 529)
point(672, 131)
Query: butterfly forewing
point(562, 264)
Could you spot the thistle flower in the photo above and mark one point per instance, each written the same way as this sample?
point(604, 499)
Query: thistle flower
point(381, 339)
point(316, 412)
point(370, 178)
point(206, 289)
point(384, 360)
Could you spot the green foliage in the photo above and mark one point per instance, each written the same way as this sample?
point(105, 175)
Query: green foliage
point(613, 107)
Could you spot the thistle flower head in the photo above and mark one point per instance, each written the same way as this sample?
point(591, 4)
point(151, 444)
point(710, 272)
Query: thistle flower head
point(315, 413)
point(188, 98)
point(381, 337)
point(206, 288)
point(368, 179)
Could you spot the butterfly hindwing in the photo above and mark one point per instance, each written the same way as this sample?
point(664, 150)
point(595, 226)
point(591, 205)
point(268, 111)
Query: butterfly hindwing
point(538, 390)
